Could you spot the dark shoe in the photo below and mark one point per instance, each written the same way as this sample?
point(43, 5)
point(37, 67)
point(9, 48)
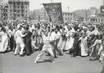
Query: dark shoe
point(55, 57)
point(21, 55)
point(60, 54)
point(28, 54)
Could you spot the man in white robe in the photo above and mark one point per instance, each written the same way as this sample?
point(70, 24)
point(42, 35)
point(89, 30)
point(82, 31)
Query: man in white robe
point(3, 40)
point(54, 38)
point(47, 47)
point(19, 41)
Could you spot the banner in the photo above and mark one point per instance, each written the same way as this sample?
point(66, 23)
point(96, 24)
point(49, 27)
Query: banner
point(102, 9)
point(54, 11)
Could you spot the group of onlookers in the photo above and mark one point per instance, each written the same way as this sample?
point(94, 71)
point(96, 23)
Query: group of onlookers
point(78, 39)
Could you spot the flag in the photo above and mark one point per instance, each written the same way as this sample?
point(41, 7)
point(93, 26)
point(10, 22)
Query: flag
point(102, 9)
point(54, 11)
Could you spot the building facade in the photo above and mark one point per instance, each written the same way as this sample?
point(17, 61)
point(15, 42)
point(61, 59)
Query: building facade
point(40, 15)
point(4, 12)
point(101, 14)
point(13, 9)
point(18, 9)
point(67, 17)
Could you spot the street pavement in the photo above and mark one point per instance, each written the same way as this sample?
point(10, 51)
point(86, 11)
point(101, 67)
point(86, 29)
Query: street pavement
point(63, 64)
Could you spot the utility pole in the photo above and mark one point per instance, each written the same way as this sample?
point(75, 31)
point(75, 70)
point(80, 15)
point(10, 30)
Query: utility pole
point(68, 9)
point(86, 15)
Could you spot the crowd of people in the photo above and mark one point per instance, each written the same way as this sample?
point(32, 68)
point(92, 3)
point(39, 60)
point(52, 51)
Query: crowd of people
point(84, 39)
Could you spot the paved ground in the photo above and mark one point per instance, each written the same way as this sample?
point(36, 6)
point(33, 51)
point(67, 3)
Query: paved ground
point(64, 64)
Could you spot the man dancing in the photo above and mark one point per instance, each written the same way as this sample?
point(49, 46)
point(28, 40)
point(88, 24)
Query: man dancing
point(47, 47)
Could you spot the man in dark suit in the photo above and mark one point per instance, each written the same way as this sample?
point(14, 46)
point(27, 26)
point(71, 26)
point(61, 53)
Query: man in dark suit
point(27, 41)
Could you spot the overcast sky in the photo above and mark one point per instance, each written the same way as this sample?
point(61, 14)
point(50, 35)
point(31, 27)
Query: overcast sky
point(68, 5)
